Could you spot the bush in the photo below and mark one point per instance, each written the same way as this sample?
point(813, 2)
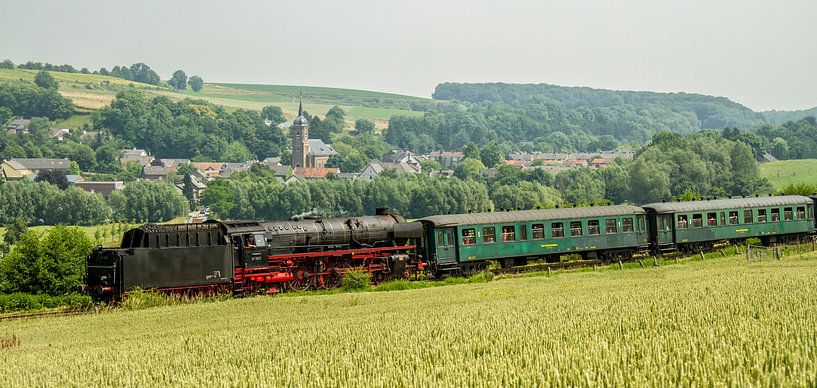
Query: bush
point(25, 302)
point(356, 280)
point(141, 299)
point(482, 277)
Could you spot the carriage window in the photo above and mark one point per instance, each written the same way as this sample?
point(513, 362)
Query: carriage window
point(640, 223)
point(557, 230)
point(489, 234)
point(761, 215)
point(523, 232)
point(593, 227)
point(801, 212)
point(723, 218)
point(788, 215)
point(469, 237)
point(747, 217)
point(682, 222)
point(575, 228)
point(626, 225)
point(508, 233)
point(712, 219)
point(697, 220)
point(775, 215)
point(733, 218)
point(538, 231)
point(810, 212)
point(610, 226)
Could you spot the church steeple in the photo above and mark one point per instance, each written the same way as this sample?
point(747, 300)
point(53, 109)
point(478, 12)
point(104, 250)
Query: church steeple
point(300, 138)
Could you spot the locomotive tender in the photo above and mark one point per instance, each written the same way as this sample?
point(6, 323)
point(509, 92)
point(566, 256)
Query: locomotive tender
point(244, 257)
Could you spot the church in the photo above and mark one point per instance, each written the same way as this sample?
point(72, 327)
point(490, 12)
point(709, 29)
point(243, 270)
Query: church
point(306, 152)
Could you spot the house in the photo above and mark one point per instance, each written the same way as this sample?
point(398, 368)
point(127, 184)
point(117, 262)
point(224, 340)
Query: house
point(294, 179)
point(280, 171)
point(272, 161)
point(575, 163)
point(766, 157)
point(371, 170)
point(157, 173)
point(518, 163)
point(18, 125)
point(441, 173)
point(230, 168)
point(319, 153)
point(402, 167)
point(601, 162)
point(208, 169)
point(105, 188)
point(17, 169)
point(449, 159)
point(198, 188)
point(135, 155)
point(315, 172)
point(73, 179)
point(348, 175)
point(401, 156)
point(176, 163)
point(60, 133)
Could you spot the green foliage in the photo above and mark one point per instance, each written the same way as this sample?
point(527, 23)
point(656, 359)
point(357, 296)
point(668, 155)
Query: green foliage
point(491, 155)
point(471, 150)
point(273, 114)
point(236, 152)
point(524, 195)
point(44, 80)
point(178, 80)
point(25, 99)
point(482, 277)
point(19, 301)
point(7, 64)
point(138, 72)
point(14, 231)
point(804, 189)
point(580, 186)
point(196, 83)
point(469, 168)
point(355, 280)
point(148, 201)
point(53, 264)
point(364, 126)
point(54, 177)
point(430, 165)
point(48, 204)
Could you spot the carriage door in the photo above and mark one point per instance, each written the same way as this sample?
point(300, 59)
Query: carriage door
point(664, 226)
point(446, 251)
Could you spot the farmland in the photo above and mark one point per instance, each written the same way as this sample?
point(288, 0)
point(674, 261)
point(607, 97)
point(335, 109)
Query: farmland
point(724, 321)
point(786, 172)
point(92, 92)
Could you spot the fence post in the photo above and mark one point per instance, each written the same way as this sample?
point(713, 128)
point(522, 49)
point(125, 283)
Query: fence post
point(655, 261)
point(722, 252)
point(748, 253)
point(777, 253)
point(548, 271)
point(620, 265)
point(641, 263)
point(737, 249)
point(702, 255)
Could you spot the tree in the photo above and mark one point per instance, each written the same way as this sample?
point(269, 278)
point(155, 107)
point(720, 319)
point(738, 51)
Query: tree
point(53, 264)
point(471, 150)
point(143, 73)
point(178, 80)
point(273, 114)
point(148, 201)
point(430, 165)
point(7, 64)
point(491, 155)
point(13, 233)
point(364, 126)
point(188, 189)
point(196, 83)
point(469, 168)
point(236, 152)
point(54, 177)
point(44, 80)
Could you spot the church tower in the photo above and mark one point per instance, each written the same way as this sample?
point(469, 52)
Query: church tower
point(300, 139)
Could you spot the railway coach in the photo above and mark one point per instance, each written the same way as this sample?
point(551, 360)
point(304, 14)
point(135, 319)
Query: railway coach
point(698, 225)
point(467, 243)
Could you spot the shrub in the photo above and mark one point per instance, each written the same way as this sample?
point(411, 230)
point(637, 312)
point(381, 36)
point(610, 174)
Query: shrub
point(482, 277)
point(141, 299)
point(356, 280)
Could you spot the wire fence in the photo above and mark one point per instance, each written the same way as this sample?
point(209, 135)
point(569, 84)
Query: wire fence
point(777, 251)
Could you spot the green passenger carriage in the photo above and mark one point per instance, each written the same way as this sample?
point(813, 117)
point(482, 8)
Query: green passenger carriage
point(467, 242)
point(697, 225)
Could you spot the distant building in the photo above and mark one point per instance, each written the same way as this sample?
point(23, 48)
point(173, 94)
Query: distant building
point(17, 169)
point(157, 173)
point(449, 159)
point(307, 152)
point(135, 155)
point(375, 168)
point(208, 169)
point(60, 133)
point(230, 168)
point(402, 156)
point(314, 172)
point(18, 125)
point(104, 188)
point(176, 163)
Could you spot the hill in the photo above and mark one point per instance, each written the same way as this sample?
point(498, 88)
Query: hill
point(91, 92)
point(781, 116)
point(785, 172)
point(665, 109)
point(719, 320)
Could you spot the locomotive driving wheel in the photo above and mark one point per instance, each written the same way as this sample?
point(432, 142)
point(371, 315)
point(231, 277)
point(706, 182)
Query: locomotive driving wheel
point(300, 281)
point(329, 276)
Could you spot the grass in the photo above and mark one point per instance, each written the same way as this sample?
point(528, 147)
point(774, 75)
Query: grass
point(724, 322)
point(92, 92)
point(785, 172)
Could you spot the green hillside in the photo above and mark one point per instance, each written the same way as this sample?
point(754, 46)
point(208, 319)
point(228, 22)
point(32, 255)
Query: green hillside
point(90, 92)
point(786, 172)
point(783, 116)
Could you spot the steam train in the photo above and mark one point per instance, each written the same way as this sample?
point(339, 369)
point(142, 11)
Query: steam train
point(251, 257)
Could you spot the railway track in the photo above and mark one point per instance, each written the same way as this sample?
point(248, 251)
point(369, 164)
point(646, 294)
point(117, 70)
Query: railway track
point(42, 314)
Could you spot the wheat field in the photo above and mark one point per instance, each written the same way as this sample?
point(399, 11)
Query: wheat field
point(721, 322)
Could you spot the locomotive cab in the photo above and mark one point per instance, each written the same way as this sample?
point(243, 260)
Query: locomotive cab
point(250, 249)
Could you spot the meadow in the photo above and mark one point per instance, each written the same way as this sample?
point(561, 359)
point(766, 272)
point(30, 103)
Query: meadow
point(91, 92)
point(785, 172)
point(722, 321)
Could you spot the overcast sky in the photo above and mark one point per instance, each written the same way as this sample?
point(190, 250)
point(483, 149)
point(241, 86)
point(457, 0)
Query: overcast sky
point(759, 53)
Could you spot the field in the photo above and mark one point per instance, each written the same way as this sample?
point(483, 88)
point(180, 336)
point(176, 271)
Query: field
point(786, 172)
point(722, 322)
point(92, 92)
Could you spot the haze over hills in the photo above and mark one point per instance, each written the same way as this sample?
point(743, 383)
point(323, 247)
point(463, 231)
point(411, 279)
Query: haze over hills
point(782, 116)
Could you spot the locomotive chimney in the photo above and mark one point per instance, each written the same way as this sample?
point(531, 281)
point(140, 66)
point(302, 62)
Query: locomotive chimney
point(381, 211)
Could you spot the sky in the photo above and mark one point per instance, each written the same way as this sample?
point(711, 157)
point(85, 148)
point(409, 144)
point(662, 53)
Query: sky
point(762, 54)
